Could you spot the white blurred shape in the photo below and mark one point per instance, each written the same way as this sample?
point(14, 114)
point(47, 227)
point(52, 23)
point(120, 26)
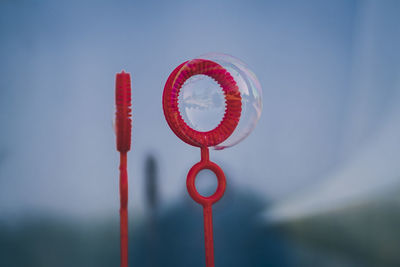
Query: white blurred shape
point(373, 140)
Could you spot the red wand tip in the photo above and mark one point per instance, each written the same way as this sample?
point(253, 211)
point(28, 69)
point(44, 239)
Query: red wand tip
point(123, 115)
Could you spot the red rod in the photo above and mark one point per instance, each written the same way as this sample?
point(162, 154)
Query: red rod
point(208, 235)
point(123, 191)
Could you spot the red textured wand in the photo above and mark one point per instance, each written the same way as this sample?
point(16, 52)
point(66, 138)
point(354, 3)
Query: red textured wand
point(123, 132)
point(203, 140)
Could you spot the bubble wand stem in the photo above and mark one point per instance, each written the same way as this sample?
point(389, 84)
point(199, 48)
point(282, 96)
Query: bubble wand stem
point(123, 191)
point(208, 222)
point(206, 202)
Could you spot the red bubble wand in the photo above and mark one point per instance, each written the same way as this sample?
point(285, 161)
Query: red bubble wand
point(123, 133)
point(203, 140)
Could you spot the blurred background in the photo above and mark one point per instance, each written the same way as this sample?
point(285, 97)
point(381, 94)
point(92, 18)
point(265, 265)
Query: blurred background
point(316, 184)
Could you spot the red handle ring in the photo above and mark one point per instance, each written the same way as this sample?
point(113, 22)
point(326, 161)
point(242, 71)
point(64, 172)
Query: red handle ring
point(191, 187)
point(233, 102)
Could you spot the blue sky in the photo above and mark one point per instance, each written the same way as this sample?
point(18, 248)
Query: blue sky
point(328, 72)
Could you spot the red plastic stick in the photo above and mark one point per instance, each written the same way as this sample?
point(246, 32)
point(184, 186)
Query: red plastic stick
point(208, 235)
point(123, 187)
point(123, 132)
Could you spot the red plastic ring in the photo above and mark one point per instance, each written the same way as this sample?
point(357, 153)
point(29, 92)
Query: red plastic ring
point(233, 102)
point(191, 187)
